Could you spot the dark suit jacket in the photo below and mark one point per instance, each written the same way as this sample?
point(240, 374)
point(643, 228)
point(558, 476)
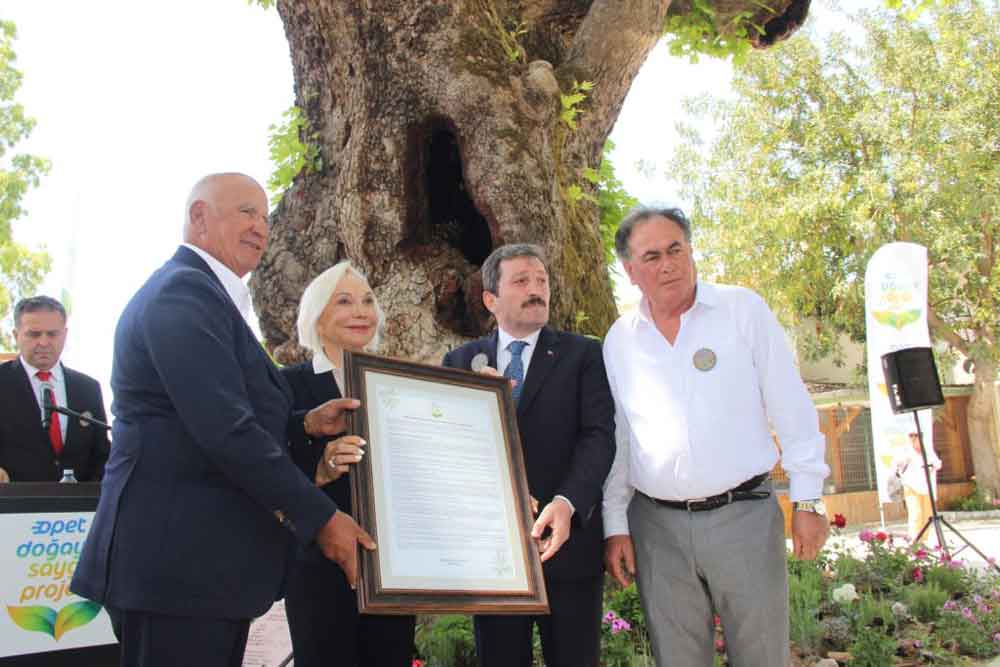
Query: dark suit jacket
point(186, 522)
point(25, 450)
point(308, 391)
point(566, 421)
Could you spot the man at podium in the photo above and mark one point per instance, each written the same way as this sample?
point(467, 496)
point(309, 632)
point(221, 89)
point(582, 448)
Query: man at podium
point(35, 446)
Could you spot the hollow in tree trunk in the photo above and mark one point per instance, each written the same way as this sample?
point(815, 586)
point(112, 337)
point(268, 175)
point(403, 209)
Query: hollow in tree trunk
point(438, 124)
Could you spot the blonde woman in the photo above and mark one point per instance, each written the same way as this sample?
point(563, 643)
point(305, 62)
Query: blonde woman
point(338, 312)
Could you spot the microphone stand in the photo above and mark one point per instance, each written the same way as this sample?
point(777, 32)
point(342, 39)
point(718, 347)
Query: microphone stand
point(936, 519)
point(73, 413)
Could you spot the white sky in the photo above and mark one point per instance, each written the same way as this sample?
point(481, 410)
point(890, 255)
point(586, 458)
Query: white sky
point(135, 100)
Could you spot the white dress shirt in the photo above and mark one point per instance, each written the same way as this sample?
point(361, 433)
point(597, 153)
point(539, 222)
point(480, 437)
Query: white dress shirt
point(684, 433)
point(58, 382)
point(504, 339)
point(233, 284)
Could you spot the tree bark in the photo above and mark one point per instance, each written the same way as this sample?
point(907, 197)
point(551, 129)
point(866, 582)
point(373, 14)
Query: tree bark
point(982, 417)
point(441, 139)
point(983, 428)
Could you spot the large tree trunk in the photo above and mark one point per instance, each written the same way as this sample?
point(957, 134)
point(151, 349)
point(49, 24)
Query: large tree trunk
point(983, 432)
point(438, 145)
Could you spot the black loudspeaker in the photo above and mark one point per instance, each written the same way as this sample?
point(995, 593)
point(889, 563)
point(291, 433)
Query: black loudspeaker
point(911, 378)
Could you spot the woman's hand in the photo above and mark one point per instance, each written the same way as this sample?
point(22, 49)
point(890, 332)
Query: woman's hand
point(338, 456)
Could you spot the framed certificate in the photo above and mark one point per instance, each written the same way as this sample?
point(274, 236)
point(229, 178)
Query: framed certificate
point(442, 490)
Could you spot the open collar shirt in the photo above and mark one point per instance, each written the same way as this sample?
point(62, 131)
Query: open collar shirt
point(232, 283)
point(684, 433)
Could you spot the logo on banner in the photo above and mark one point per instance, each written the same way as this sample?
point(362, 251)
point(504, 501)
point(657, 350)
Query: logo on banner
point(49, 554)
point(897, 303)
point(895, 318)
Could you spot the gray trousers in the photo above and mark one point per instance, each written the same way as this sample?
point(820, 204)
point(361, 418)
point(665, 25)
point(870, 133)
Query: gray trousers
point(730, 560)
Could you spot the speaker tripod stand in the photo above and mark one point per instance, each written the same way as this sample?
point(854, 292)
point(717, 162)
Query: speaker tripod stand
point(936, 519)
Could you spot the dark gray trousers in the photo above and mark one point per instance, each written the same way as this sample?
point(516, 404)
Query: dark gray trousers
point(730, 560)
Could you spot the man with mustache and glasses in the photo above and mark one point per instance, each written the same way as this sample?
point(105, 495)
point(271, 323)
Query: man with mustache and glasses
point(565, 419)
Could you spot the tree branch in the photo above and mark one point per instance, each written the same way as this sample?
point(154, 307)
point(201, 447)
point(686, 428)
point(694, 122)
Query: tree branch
point(944, 331)
point(610, 46)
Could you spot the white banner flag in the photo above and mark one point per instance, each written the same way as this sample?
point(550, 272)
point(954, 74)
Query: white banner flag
point(895, 318)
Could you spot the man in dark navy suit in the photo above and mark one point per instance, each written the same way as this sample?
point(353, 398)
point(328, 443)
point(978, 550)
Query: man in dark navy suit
point(30, 452)
point(199, 497)
point(565, 417)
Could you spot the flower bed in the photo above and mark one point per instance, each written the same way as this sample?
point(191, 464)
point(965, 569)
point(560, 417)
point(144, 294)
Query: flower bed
point(872, 603)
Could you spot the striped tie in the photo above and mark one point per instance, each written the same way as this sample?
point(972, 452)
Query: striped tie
point(515, 369)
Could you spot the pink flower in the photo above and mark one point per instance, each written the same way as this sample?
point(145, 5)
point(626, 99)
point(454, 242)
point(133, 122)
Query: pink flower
point(866, 535)
point(950, 605)
point(996, 638)
point(967, 613)
point(720, 645)
point(881, 537)
point(716, 620)
point(609, 617)
point(417, 663)
point(920, 554)
point(918, 575)
point(620, 625)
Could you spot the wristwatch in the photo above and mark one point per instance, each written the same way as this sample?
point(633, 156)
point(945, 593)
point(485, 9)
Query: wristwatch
point(814, 506)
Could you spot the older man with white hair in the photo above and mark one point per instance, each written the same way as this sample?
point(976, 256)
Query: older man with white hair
point(191, 536)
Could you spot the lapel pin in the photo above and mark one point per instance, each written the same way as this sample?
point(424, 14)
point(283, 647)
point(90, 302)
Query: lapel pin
point(479, 362)
point(704, 359)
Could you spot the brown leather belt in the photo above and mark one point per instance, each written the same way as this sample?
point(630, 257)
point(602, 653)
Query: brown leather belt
point(744, 491)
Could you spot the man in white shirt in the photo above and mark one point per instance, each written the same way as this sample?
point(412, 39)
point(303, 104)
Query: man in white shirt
point(700, 373)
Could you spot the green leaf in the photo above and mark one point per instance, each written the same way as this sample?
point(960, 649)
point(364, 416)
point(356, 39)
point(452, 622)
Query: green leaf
point(74, 615)
point(34, 618)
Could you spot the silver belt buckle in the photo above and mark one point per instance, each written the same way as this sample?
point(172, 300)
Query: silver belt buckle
point(687, 503)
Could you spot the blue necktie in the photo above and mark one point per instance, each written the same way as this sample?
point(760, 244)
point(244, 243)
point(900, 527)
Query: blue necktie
point(515, 369)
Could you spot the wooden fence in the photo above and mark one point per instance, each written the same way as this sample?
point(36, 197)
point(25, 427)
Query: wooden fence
point(851, 488)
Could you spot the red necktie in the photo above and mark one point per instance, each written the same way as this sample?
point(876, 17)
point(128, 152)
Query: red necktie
point(55, 433)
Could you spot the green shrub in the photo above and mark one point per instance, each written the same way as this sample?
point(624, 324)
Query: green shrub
point(975, 502)
point(447, 641)
point(969, 636)
point(874, 614)
point(925, 601)
point(805, 593)
point(950, 580)
point(872, 648)
point(625, 602)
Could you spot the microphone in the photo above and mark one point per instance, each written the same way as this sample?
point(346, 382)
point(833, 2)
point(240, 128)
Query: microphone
point(48, 404)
